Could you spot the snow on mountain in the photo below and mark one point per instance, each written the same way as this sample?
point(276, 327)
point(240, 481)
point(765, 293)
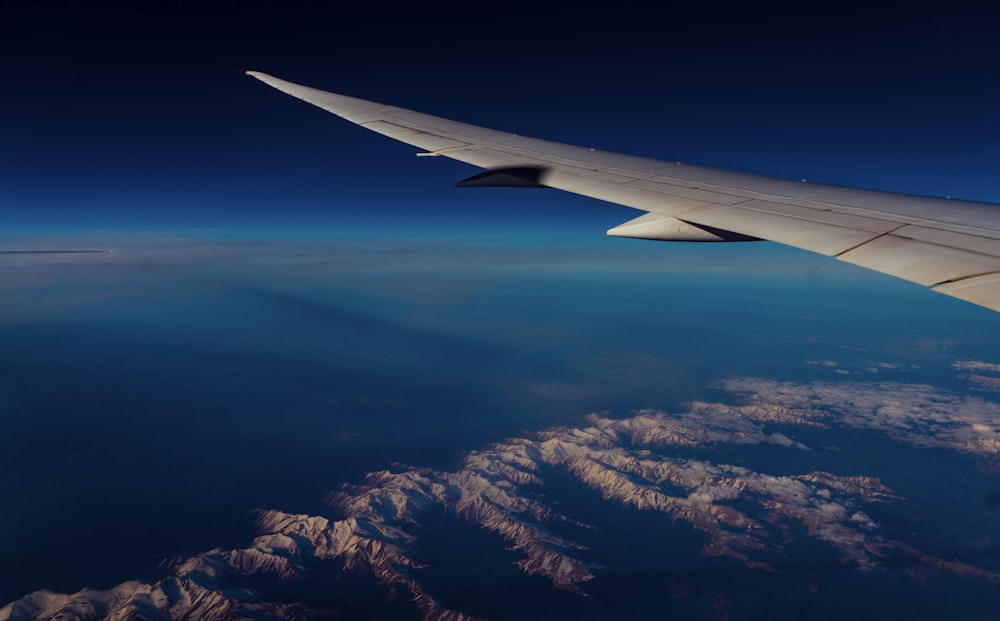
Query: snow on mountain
point(174, 598)
point(214, 586)
point(503, 488)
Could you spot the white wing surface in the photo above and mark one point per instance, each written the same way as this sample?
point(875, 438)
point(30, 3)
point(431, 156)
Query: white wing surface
point(949, 245)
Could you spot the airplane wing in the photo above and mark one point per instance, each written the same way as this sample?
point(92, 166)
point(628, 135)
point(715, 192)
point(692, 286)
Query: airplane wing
point(951, 246)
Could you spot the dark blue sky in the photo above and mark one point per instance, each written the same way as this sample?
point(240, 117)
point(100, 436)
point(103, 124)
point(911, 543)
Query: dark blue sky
point(137, 115)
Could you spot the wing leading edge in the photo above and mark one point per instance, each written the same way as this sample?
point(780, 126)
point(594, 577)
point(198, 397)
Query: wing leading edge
point(950, 246)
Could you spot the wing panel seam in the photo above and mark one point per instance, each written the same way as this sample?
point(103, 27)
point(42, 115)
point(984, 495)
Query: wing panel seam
point(868, 241)
point(961, 278)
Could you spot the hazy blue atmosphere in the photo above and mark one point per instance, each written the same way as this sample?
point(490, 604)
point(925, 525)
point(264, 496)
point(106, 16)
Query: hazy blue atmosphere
point(293, 303)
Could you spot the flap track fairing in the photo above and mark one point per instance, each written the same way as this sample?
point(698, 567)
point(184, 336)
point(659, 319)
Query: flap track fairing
point(664, 228)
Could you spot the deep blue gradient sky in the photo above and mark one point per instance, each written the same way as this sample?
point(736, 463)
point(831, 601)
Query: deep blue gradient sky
point(137, 115)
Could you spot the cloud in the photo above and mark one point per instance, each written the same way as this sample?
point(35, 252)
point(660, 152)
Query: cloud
point(977, 365)
point(917, 414)
point(983, 375)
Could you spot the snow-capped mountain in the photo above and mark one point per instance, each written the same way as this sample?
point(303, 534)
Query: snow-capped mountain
point(637, 463)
